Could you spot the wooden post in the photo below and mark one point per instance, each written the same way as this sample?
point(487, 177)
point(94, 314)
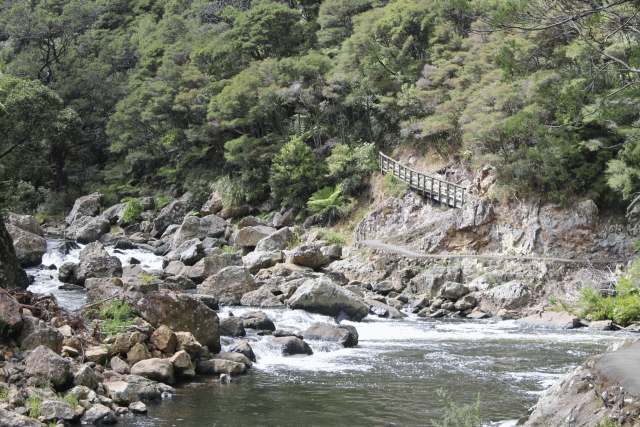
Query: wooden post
point(448, 194)
point(440, 191)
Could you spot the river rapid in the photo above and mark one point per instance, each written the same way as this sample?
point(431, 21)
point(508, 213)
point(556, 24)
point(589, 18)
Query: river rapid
point(395, 376)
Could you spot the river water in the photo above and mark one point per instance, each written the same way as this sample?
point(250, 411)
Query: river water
point(395, 376)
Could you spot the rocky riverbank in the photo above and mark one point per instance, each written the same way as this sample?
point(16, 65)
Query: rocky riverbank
point(214, 257)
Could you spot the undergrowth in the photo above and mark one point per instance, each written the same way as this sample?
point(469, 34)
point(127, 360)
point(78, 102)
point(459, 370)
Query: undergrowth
point(116, 317)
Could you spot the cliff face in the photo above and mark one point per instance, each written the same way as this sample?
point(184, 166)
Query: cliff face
point(605, 388)
point(11, 275)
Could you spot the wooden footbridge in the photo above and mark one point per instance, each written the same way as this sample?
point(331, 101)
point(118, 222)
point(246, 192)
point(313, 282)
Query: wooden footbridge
point(434, 188)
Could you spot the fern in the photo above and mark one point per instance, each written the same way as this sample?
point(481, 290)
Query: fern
point(329, 203)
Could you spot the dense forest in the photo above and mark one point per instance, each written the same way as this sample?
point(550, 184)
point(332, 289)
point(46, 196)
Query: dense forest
point(286, 102)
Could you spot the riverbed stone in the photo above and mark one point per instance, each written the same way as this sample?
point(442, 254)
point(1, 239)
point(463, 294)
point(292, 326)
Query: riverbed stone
point(276, 241)
point(243, 347)
point(86, 376)
point(164, 339)
point(119, 365)
point(48, 366)
point(228, 285)
point(290, 346)
point(68, 272)
point(181, 312)
point(310, 255)
point(323, 296)
point(10, 314)
point(155, 369)
point(54, 410)
point(88, 205)
point(87, 229)
point(36, 332)
point(172, 213)
point(262, 297)
point(193, 227)
point(553, 319)
point(99, 414)
point(257, 320)
point(383, 310)
point(346, 335)
point(132, 388)
point(232, 327)
point(257, 260)
point(453, 291)
point(188, 343)
point(26, 222)
point(29, 247)
point(248, 237)
point(137, 353)
point(602, 325)
point(220, 366)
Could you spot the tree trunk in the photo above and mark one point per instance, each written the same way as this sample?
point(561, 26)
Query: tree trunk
point(11, 275)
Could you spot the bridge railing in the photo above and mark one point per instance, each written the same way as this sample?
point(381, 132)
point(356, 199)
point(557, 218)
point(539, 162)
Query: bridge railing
point(437, 189)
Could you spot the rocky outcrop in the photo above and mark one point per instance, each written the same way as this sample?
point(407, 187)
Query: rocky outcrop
point(508, 296)
point(11, 274)
point(181, 312)
point(310, 255)
point(604, 389)
point(325, 297)
point(228, 285)
point(88, 205)
point(193, 227)
point(29, 247)
point(257, 260)
point(277, 241)
point(87, 229)
point(173, 213)
point(248, 237)
point(25, 222)
point(95, 262)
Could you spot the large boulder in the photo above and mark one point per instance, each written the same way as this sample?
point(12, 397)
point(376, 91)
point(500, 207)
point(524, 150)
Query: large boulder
point(181, 312)
point(323, 296)
point(173, 213)
point(95, 262)
point(13, 419)
point(248, 237)
point(155, 369)
point(213, 204)
point(29, 247)
point(48, 366)
point(509, 296)
point(257, 320)
point(194, 227)
point(115, 213)
point(87, 229)
point(220, 366)
point(311, 256)
point(213, 263)
point(36, 332)
point(277, 241)
point(10, 315)
point(257, 260)
point(453, 291)
point(88, 205)
point(228, 285)
point(346, 335)
point(232, 327)
point(262, 298)
point(189, 252)
point(133, 388)
point(25, 222)
point(11, 274)
point(553, 319)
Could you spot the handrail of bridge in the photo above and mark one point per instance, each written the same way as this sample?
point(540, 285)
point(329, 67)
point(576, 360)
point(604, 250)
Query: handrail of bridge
point(445, 192)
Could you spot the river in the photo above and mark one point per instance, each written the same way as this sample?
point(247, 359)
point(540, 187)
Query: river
point(395, 376)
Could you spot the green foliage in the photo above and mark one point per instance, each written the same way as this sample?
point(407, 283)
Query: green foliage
point(623, 307)
point(161, 201)
point(332, 237)
point(69, 398)
point(457, 415)
point(295, 174)
point(34, 406)
point(349, 166)
point(4, 394)
point(394, 186)
point(329, 204)
point(226, 249)
point(132, 211)
point(230, 192)
point(116, 316)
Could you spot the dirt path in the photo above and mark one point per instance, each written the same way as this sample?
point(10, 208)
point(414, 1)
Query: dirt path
point(404, 251)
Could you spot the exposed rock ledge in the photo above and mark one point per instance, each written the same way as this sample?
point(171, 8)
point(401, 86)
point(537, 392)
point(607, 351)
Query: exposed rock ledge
point(605, 388)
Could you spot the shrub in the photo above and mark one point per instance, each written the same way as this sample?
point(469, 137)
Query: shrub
point(332, 237)
point(161, 201)
point(132, 211)
point(230, 192)
point(329, 204)
point(623, 307)
point(34, 406)
point(456, 415)
point(4, 393)
point(394, 187)
point(116, 317)
point(295, 174)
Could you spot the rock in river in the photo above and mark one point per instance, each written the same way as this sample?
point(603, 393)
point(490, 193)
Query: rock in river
point(325, 297)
